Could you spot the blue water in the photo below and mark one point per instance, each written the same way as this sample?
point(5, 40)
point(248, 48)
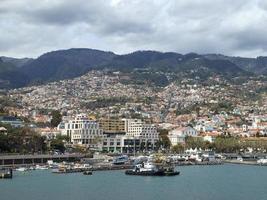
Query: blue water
point(225, 182)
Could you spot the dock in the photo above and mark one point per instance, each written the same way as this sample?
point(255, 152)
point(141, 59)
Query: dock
point(244, 162)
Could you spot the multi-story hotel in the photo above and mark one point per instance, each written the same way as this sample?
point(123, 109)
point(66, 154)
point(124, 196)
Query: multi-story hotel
point(120, 135)
point(135, 136)
point(82, 131)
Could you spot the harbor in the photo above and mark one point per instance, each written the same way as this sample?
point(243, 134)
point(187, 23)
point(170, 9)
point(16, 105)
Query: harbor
point(207, 182)
point(78, 163)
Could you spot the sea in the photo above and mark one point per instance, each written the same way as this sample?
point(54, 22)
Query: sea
point(220, 182)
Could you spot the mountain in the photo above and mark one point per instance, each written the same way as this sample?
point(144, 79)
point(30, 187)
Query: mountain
point(255, 65)
point(139, 59)
point(10, 77)
point(65, 64)
point(17, 62)
point(174, 62)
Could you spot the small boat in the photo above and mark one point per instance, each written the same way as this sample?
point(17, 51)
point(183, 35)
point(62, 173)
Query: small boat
point(22, 169)
point(88, 173)
point(120, 160)
point(262, 161)
point(68, 168)
point(6, 173)
point(171, 172)
point(43, 167)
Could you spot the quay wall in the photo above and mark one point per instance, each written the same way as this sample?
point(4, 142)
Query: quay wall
point(25, 160)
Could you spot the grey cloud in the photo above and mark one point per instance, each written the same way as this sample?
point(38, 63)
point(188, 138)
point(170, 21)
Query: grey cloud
point(30, 27)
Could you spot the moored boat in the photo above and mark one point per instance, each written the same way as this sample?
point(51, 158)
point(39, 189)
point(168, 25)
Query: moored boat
point(68, 168)
point(6, 173)
point(120, 160)
point(22, 169)
point(151, 169)
point(88, 173)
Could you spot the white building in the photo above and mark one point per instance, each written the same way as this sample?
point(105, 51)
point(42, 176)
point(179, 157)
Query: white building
point(138, 129)
point(138, 136)
point(82, 131)
point(178, 135)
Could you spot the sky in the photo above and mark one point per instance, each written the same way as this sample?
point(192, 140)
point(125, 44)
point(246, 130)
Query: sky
point(29, 28)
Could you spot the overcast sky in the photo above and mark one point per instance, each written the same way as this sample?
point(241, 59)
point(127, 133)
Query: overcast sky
point(29, 28)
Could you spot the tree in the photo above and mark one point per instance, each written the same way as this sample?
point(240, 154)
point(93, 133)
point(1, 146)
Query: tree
point(57, 144)
point(21, 140)
point(164, 141)
point(179, 148)
point(227, 144)
point(194, 142)
point(56, 118)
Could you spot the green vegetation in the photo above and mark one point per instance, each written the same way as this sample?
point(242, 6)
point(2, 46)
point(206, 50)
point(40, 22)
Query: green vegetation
point(179, 148)
point(56, 118)
point(226, 144)
point(149, 78)
point(57, 144)
point(21, 140)
point(164, 141)
point(106, 102)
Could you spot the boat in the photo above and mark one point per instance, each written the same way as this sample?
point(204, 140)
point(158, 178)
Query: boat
point(88, 173)
point(6, 173)
point(152, 169)
point(43, 167)
point(262, 161)
point(120, 160)
point(69, 168)
point(22, 169)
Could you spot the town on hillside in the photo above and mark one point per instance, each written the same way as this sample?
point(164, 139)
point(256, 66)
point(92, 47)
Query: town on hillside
point(101, 111)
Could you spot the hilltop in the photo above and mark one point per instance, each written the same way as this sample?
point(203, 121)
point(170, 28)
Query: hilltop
point(71, 63)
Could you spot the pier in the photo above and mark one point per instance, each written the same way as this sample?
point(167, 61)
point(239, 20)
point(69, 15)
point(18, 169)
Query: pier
point(29, 159)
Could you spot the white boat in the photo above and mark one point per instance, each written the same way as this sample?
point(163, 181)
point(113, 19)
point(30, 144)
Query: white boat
point(262, 161)
point(22, 169)
point(41, 167)
point(240, 159)
point(120, 160)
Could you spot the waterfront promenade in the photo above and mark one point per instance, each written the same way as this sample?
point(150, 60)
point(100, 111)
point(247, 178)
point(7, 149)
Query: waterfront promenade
point(32, 159)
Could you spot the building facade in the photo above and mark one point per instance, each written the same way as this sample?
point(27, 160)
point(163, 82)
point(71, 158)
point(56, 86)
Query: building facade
point(112, 125)
point(13, 121)
point(82, 131)
point(178, 135)
point(137, 136)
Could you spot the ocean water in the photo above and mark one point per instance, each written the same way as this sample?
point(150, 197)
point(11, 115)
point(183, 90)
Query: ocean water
point(223, 182)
